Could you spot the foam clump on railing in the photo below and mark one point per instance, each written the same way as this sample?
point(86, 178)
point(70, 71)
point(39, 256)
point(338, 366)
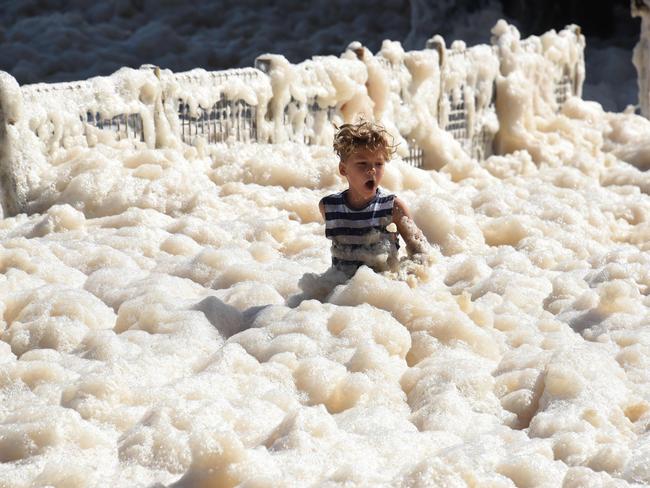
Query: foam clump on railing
point(401, 90)
point(538, 75)
point(10, 112)
point(387, 79)
point(205, 107)
point(641, 56)
point(10, 98)
point(312, 97)
point(466, 109)
point(43, 121)
point(147, 108)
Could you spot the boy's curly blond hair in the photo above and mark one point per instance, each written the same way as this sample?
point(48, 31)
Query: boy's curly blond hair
point(363, 135)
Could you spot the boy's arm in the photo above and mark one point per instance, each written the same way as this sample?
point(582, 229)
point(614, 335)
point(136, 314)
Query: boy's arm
point(321, 207)
point(415, 241)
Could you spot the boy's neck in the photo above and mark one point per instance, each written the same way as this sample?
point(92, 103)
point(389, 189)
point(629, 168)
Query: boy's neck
point(356, 201)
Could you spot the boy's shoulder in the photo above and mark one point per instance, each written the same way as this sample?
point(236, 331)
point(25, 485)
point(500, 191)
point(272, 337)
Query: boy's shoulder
point(382, 193)
point(339, 198)
point(333, 198)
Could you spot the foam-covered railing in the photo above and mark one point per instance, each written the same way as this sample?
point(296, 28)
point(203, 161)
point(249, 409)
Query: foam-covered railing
point(40, 120)
point(422, 97)
point(641, 55)
point(537, 76)
point(466, 106)
point(308, 98)
point(214, 106)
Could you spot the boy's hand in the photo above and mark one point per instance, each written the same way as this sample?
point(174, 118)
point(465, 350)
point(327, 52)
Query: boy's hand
point(416, 243)
point(423, 258)
point(415, 269)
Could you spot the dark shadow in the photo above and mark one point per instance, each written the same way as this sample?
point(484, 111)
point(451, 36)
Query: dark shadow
point(316, 286)
point(225, 318)
point(586, 320)
point(250, 314)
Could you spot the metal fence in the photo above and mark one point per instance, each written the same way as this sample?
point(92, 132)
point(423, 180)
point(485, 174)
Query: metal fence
point(398, 72)
point(303, 119)
point(308, 116)
point(456, 123)
point(476, 140)
point(235, 120)
point(122, 126)
point(225, 120)
point(225, 117)
point(230, 120)
point(460, 99)
point(564, 87)
point(416, 155)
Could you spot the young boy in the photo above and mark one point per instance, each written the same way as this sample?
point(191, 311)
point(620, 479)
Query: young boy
point(364, 220)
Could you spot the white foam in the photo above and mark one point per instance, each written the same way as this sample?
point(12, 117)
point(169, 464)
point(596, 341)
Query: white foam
point(155, 326)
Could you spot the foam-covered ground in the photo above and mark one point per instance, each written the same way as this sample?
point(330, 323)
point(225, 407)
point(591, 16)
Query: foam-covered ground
point(147, 335)
point(157, 325)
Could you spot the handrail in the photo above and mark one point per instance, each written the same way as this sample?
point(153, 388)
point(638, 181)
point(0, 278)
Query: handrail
point(272, 102)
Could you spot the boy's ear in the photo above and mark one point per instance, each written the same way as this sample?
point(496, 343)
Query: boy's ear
point(342, 168)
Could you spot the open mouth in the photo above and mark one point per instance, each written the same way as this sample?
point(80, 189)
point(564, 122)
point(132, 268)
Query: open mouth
point(370, 184)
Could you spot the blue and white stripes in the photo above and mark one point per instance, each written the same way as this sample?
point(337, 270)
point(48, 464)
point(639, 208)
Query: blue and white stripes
point(359, 236)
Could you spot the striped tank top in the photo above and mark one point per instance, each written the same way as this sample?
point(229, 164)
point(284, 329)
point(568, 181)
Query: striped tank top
point(359, 236)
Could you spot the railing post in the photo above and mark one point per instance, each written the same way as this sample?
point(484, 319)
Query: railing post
point(12, 192)
point(438, 44)
point(277, 69)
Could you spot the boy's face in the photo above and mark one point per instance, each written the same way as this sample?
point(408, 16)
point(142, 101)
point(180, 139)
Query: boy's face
point(364, 170)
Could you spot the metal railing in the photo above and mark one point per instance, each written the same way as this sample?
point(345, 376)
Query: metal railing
point(227, 120)
point(478, 140)
point(456, 123)
point(416, 155)
point(201, 77)
point(564, 88)
point(206, 105)
point(299, 119)
point(454, 107)
point(308, 116)
point(396, 72)
point(124, 126)
point(303, 120)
